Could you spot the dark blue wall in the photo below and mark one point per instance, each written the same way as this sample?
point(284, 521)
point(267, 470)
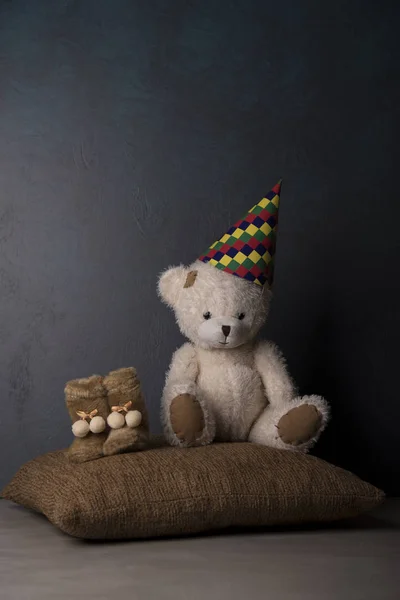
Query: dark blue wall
point(132, 134)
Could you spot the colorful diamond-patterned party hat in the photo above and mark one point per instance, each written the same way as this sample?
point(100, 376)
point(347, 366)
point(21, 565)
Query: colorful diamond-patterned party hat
point(247, 249)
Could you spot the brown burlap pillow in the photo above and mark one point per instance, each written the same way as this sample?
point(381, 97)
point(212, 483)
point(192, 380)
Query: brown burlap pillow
point(171, 491)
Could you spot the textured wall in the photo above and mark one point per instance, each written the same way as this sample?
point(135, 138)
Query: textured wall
point(133, 133)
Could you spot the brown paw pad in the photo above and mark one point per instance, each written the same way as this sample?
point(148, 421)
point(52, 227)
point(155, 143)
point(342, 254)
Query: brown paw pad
point(187, 418)
point(300, 424)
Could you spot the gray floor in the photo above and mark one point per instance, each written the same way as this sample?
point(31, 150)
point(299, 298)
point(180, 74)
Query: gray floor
point(359, 560)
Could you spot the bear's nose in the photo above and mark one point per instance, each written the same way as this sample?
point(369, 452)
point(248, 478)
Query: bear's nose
point(226, 330)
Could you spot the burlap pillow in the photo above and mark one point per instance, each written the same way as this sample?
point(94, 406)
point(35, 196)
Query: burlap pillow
point(170, 491)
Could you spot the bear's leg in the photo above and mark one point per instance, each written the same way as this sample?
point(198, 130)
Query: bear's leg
point(188, 421)
point(296, 425)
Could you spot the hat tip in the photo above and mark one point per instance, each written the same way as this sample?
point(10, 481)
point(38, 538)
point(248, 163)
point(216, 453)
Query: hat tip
point(277, 186)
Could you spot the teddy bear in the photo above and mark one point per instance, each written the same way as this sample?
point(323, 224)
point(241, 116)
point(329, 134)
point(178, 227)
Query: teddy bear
point(224, 384)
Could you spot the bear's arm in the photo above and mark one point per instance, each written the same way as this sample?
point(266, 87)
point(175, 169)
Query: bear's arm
point(271, 365)
point(183, 372)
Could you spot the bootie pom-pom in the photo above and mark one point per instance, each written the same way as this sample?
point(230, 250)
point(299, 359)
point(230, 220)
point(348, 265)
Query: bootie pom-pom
point(116, 420)
point(133, 418)
point(80, 428)
point(97, 424)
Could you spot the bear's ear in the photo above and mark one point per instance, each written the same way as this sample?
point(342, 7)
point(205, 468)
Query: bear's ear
point(172, 281)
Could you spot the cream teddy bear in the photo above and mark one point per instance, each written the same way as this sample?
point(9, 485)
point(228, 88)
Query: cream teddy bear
point(225, 385)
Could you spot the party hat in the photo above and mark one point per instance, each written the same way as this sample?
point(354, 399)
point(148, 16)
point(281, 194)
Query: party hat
point(247, 249)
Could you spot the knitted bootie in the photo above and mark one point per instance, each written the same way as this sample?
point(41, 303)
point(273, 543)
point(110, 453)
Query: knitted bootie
point(86, 401)
point(127, 417)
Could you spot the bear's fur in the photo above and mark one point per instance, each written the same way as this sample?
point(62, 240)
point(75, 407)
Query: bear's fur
point(224, 385)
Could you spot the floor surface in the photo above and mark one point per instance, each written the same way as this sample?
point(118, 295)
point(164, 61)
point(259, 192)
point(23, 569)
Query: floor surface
point(358, 560)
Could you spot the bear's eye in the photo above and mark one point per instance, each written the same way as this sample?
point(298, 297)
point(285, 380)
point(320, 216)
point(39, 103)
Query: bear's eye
point(241, 316)
point(207, 315)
